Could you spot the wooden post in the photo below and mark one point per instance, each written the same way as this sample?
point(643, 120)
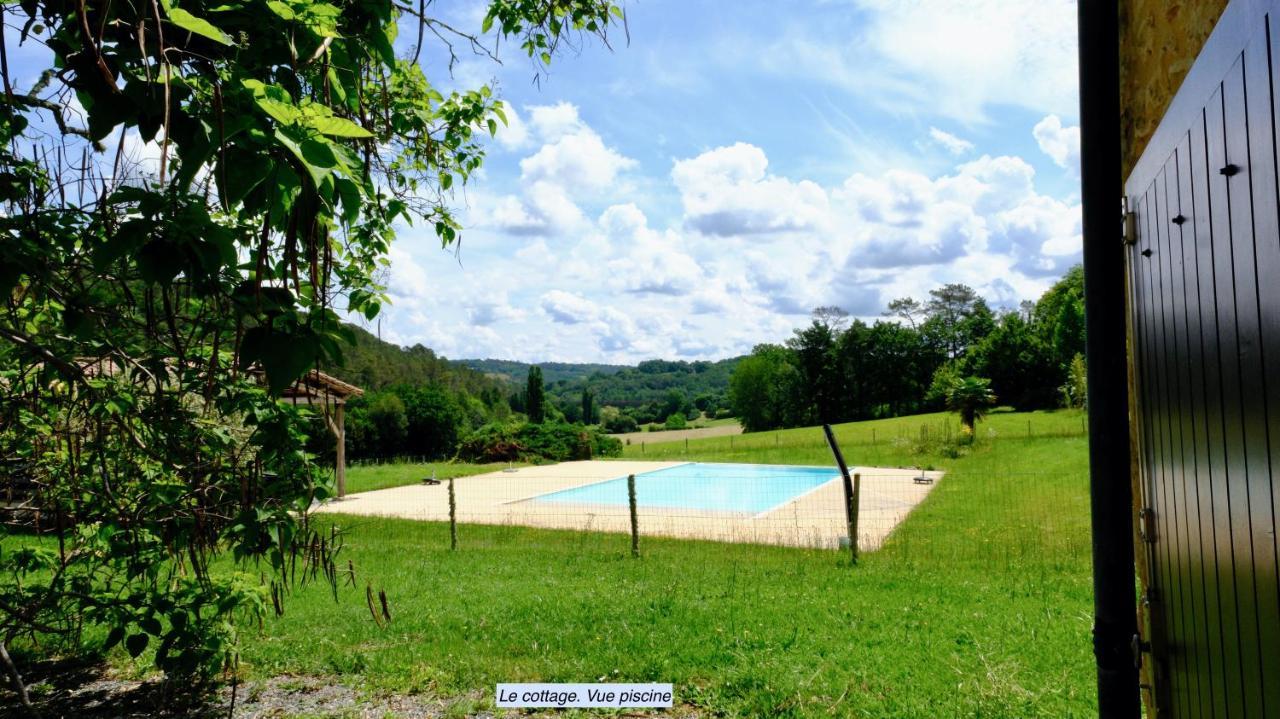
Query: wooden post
point(453, 518)
point(853, 513)
point(635, 521)
point(341, 463)
point(850, 493)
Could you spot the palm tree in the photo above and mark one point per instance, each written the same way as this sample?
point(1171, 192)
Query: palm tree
point(970, 397)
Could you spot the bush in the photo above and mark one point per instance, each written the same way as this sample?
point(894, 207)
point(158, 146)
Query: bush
point(527, 442)
point(619, 424)
point(676, 421)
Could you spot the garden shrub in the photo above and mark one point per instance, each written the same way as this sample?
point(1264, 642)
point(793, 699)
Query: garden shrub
point(528, 442)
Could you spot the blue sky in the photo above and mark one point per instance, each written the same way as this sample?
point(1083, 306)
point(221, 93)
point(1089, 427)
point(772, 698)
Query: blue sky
point(699, 190)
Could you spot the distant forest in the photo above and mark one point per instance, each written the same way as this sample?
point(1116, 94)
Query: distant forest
point(840, 369)
point(836, 368)
point(648, 392)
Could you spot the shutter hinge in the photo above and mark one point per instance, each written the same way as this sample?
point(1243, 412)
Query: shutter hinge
point(1147, 525)
point(1130, 230)
point(1138, 647)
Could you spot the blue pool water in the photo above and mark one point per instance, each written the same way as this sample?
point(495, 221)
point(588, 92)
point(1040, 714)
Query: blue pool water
point(750, 488)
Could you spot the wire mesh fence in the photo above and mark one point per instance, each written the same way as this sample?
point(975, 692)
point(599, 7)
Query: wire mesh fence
point(969, 517)
point(889, 439)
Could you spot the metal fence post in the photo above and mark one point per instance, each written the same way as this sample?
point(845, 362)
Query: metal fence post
point(850, 493)
point(635, 521)
point(453, 518)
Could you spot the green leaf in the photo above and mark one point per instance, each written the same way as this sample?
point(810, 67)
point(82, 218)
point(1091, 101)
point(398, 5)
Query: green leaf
point(193, 24)
point(136, 644)
point(151, 625)
point(317, 173)
point(281, 9)
point(113, 638)
point(336, 127)
point(284, 113)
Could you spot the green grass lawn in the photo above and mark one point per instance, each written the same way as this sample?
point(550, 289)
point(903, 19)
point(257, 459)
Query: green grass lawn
point(978, 605)
point(367, 477)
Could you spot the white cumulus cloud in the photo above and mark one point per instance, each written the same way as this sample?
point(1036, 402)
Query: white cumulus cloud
point(1061, 144)
point(727, 191)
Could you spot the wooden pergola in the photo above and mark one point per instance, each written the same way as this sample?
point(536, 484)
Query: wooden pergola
point(316, 387)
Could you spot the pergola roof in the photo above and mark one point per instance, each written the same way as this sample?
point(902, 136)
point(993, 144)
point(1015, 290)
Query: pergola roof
point(316, 386)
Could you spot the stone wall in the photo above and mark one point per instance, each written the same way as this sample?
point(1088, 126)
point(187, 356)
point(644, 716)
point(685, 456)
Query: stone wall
point(1159, 40)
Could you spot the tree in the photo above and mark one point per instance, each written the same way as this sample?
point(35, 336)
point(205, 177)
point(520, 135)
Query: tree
point(588, 407)
point(434, 421)
point(898, 365)
point(153, 318)
point(613, 421)
point(386, 413)
point(535, 397)
point(1021, 367)
point(706, 402)
point(833, 318)
point(815, 357)
point(676, 421)
point(675, 402)
point(1075, 392)
point(970, 397)
point(947, 308)
point(1058, 317)
point(908, 310)
point(764, 389)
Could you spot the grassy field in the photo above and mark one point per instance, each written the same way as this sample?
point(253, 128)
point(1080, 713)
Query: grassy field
point(697, 430)
point(978, 606)
point(885, 442)
point(364, 478)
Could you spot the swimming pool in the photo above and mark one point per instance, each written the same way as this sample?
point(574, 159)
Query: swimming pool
point(752, 488)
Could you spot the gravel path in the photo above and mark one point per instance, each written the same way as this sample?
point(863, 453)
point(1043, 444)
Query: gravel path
point(88, 691)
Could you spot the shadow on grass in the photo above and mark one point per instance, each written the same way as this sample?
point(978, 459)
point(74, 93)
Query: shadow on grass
point(85, 688)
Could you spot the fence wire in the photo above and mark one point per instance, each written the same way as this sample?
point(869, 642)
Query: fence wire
point(1005, 516)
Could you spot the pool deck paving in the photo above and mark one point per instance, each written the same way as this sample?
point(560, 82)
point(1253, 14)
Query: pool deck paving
point(812, 519)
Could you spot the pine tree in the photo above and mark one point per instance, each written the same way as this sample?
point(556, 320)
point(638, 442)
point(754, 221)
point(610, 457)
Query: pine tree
point(535, 397)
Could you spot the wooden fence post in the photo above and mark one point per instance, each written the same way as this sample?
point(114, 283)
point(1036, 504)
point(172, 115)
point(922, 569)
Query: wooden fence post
point(635, 521)
point(853, 514)
point(453, 518)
